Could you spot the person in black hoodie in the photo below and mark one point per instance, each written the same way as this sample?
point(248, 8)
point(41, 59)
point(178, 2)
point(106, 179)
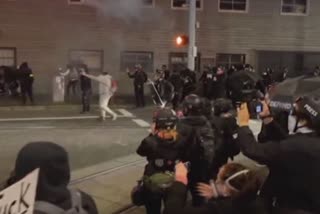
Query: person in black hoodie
point(293, 161)
point(233, 192)
point(54, 175)
point(162, 151)
point(85, 85)
point(177, 83)
point(26, 82)
point(197, 138)
point(224, 124)
point(140, 78)
point(189, 82)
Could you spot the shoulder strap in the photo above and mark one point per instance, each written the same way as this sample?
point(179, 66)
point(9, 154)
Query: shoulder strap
point(48, 208)
point(77, 201)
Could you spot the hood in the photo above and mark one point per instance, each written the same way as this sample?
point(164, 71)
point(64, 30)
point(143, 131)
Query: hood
point(54, 175)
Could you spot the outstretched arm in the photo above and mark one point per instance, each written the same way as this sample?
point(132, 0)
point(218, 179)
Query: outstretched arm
point(91, 77)
point(131, 75)
point(65, 73)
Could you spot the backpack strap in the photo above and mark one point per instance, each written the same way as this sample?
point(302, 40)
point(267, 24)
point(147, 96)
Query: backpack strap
point(77, 201)
point(47, 208)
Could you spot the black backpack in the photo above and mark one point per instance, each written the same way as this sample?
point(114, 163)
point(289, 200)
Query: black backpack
point(204, 142)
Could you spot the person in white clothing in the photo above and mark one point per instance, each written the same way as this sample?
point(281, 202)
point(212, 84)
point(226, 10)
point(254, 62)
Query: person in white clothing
point(106, 91)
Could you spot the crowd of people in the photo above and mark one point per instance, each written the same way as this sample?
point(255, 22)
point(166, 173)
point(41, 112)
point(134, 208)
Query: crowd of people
point(194, 152)
point(17, 81)
point(171, 87)
point(191, 149)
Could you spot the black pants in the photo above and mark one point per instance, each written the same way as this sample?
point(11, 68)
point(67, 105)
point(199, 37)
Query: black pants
point(72, 84)
point(27, 91)
point(152, 202)
point(139, 94)
point(86, 95)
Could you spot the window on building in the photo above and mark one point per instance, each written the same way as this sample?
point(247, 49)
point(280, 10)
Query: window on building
point(179, 61)
point(184, 4)
point(75, 1)
point(131, 58)
point(8, 57)
point(233, 5)
point(227, 60)
point(92, 58)
point(294, 7)
point(148, 3)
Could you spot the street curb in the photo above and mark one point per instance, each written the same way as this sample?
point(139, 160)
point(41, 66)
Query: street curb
point(52, 107)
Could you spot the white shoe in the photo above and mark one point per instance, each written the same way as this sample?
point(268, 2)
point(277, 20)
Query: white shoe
point(114, 117)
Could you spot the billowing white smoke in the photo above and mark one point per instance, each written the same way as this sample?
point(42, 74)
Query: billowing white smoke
point(126, 10)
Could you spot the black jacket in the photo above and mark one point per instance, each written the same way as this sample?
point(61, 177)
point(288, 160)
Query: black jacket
point(54, 174)
point(294, 167)
point(161, 154)
point(85, 83)
point(198, 149)
point(188, 127)
point(226, 146)
point(176, 81)
point(26, 75)
point(176, 203)
point(140, 77)
point(273, 132)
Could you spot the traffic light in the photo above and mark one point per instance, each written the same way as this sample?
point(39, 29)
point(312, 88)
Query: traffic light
point(182, 40)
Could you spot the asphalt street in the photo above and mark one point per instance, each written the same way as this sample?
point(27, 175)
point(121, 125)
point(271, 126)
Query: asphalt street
point(93, 146)
point(87, 140)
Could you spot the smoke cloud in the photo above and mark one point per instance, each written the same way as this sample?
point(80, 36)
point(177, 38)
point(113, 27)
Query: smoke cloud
point(126, 10)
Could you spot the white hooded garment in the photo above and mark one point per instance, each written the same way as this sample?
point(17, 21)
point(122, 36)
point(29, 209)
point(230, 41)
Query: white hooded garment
point(105, 83)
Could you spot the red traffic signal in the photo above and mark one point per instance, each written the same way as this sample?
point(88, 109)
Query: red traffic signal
point(182, 40)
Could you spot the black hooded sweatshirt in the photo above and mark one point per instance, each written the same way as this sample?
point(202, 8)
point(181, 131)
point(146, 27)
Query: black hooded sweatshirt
point(161, 154)
point(199, 152)
point(54, 175)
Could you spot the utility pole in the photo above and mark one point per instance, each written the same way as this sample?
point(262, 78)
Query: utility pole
point(192, 50)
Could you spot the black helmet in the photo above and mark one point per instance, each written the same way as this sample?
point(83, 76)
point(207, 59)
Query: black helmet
point(193, 104)
point(165, 118)
point(222, 105)
point(309, 108)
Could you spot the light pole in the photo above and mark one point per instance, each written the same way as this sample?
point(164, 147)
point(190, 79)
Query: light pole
point(192, 50)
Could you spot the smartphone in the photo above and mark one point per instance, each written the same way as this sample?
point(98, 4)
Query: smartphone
point(259, 108)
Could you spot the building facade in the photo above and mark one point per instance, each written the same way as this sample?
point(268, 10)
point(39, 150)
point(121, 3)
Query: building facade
point(114, 34)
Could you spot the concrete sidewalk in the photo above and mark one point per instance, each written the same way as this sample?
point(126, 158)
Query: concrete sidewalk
point(111, 191)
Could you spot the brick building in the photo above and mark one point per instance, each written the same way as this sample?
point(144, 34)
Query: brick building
point(113, 34)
